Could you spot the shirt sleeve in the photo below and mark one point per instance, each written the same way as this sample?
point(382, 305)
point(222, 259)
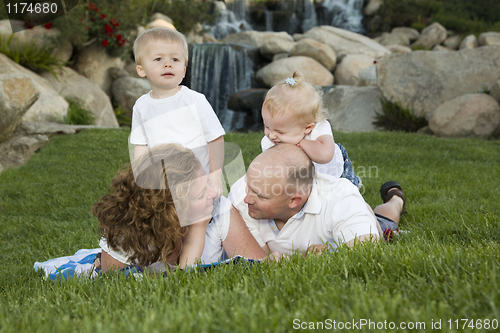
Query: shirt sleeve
point(237, 195)
point(137, 133)
point(212, 128)
point(265, 143)
point(350, 218)
point(321, 128)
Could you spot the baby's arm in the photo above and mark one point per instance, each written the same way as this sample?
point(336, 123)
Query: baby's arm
point(216, 150)
point(193, 243)
point(320, 150)
point(139, 150)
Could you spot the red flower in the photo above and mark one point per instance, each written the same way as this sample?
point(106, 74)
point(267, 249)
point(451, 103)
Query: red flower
point(111, 35)
point(88, 28)
point(103, 16)
point(121, 42)
point(119, 37)
point(92, 19)
point(105, 43)
point(374, 61)
point(48, 25)
point(114, 23)
point(107, 29)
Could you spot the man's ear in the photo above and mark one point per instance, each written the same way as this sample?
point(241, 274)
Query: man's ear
point(309, 128)
point(295, 200)
point(140, 71)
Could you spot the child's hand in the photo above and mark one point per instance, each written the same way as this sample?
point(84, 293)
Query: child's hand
point(216, 182)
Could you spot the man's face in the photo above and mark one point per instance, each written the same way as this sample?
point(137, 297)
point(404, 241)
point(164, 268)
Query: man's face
point(266, 197)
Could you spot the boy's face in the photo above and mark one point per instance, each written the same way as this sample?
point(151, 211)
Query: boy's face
point(164, 65)
point(284, 128)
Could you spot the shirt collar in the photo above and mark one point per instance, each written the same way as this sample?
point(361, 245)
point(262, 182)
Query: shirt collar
point(313, 204)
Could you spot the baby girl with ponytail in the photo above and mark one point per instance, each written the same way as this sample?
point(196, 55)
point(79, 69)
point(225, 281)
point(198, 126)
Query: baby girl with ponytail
point(293, 112)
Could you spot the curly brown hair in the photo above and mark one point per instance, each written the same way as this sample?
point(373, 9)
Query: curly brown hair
point(139, 216)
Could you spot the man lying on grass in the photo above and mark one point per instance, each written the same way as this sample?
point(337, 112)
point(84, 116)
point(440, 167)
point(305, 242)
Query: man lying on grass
point(288, 207)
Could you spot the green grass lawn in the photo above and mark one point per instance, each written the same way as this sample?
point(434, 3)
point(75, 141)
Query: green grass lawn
point(444, 269)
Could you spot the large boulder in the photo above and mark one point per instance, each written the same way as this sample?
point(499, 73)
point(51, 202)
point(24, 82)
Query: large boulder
point(270, 47)
point(372, 7)
point(469, 42)
point(367, 76)
point(411, 33)
point(347, 72)
point(423, 80)
point(345, 42)
point(126, 90)
point(452, 42)
point(495, 90)
point(431, 36)
point(28, 138)
point(489, 38)
point(323, 53)
point(394, 39)
point(17, 95)
point(398, 49)
point(38, 36)
point(72, 85)
point(50, 106)
point(257, 38)
point(314, 72)
point(353, 109)
point(470, 115)
point(93, 62)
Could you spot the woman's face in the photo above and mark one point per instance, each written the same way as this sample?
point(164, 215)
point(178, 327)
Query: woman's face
point(200, 199)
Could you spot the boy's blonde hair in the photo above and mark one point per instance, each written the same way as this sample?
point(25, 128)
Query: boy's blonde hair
point(297, 97)
point(163, 34)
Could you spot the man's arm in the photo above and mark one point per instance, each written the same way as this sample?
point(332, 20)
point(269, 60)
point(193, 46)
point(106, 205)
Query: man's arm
point(239, 240)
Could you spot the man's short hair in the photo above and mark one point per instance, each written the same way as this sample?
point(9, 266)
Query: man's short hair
point(163, 34)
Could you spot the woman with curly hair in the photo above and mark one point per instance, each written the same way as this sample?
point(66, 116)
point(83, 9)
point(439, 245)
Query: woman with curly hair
point(159, 215)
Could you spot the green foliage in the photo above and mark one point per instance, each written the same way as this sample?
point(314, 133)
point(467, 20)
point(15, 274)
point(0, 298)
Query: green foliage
point(394, 117)
point(123, 116)
point(185, 13)
point(77, 115)
point(30, 55)
point(418, 47)
point(446, 266)
point(464, 16)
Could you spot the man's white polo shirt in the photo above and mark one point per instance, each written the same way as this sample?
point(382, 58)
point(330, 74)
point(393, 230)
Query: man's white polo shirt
point(335, 212)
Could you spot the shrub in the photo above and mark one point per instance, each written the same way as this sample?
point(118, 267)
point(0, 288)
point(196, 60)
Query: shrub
point(394, 117)
point(77, 115)
point(465, 16)
point(30, 55)
point(123, 116)
point(185, 13)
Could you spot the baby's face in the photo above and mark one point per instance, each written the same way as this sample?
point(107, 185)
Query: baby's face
point(283, 128)
point(163, 64)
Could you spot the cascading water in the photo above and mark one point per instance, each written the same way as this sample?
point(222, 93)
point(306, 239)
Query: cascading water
point(344, 14)
point(269, 20)
point(233, 19)
point(219, 70)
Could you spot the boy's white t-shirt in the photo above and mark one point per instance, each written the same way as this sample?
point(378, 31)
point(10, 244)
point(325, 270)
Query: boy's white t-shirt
point(335, 167)
point(186, 118)
point(216, 233)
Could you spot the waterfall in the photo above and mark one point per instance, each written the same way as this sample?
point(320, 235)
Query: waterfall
point(269, 20)
point(345, 14)
point(310, 19)
point(233, 19)
point(218, 70)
